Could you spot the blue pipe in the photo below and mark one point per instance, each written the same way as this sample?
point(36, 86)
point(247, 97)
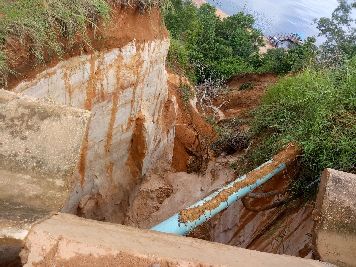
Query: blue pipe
point(174, 224)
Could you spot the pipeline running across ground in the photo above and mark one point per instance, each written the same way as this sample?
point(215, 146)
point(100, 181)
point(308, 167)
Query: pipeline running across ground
point(183, 222)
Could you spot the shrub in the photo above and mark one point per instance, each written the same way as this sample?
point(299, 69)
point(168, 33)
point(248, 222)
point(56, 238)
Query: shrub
point(216, 49)
point(281, 61)
point(317, 109)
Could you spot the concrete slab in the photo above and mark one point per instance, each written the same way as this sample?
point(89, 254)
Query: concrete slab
point(335, 215)
point(39, 152)
point(67, 240)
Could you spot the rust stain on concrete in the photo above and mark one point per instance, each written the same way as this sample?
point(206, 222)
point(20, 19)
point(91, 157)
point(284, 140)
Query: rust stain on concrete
point(67, 86)
point(288, 155)
point(83, 156)
point(91, 93)
point(114, 109)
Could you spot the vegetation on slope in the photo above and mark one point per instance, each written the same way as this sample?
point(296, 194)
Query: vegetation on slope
point(47, 27)
point(206, 47)
point(317, 107)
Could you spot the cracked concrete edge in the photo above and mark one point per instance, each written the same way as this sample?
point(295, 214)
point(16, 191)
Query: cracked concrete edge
point(335, 218)
point(67, 240)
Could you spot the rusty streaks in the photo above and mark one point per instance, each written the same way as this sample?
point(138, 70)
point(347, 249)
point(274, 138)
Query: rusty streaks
point(288, 155)
point(83, 156)
point(138, 148)
point(67, 87)
point(114, 109)
point(91, 93)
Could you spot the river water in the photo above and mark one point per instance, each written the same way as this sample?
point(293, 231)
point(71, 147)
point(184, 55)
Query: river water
point(281, 16)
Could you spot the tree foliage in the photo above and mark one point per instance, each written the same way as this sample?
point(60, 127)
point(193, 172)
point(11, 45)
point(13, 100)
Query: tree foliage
point(339, 32)
point(216, 48)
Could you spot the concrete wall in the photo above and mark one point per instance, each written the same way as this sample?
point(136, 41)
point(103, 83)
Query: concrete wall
point(131, 125)
point(66, 240)
point(39, 153)
point(335, 216)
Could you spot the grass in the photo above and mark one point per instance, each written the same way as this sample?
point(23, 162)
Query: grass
point(42, 26)
point(317, 109)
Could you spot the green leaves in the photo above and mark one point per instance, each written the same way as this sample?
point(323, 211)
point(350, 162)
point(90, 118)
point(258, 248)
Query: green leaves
point(216, 49)
point(316, 109)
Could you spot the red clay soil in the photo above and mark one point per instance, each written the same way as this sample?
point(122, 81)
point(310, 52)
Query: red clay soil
point(239, 102)
point(288, 155)
point(193, 133)
point(125, 25)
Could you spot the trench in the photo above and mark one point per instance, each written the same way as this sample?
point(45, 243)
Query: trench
point(146, 152)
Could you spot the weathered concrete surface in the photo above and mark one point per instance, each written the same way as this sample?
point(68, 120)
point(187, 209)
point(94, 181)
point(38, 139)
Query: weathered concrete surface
point(335, 216)
point(132, 123)
point(66, 240)
point(39, 152)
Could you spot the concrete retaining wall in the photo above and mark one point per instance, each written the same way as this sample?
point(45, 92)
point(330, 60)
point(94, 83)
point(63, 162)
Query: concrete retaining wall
point(39, 153)
point(335, 215)
point(131, 127)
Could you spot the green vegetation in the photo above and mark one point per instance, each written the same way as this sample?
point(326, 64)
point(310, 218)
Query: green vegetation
point(187, 93)
point(340, 35)
point(280, 61)
point(207, 48)
point(44, 28)
point(39, 26)
point(317, 109)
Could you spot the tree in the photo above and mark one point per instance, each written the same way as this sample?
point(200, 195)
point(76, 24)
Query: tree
point(339, 32)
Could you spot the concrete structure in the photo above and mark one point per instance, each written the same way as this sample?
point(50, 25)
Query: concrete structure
point(39, 153)
point(66, 240)
point(132, 123)
point(335, 227)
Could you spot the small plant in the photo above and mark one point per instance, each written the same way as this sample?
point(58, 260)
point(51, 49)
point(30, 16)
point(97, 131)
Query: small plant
point(246, 86)
point(234, 165)
point(187, 93)
point(230, 139)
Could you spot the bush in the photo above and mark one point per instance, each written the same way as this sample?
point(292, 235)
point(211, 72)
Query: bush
point(41, 24)
point(281, 61)
point(216, 49)
point(317, 109)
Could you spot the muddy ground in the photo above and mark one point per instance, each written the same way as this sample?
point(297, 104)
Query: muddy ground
point(197, 170)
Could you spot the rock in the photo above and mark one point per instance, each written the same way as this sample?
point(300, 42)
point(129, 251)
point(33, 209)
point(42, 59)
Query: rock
point(335, 216)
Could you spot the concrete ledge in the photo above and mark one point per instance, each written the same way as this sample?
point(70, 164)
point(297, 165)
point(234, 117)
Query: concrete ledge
point(39, 153)
point(67, 240)
point(335, 215)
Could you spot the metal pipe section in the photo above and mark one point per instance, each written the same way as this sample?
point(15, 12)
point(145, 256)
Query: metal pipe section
point(188, 219)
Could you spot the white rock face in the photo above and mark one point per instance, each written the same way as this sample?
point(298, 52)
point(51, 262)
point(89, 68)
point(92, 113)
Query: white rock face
point(132, 122)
